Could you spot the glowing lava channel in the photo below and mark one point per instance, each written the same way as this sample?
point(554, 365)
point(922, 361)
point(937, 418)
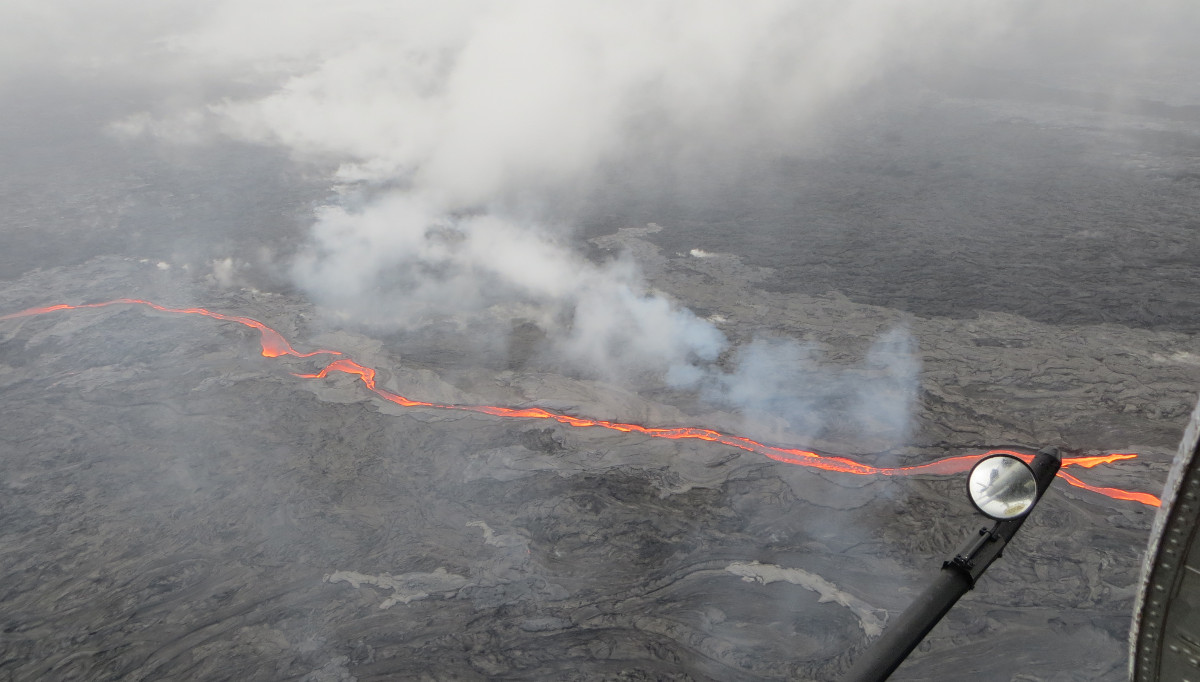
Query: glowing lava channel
point(274, 345)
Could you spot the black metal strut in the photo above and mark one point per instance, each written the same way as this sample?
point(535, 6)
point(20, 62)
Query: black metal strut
point(957, 576)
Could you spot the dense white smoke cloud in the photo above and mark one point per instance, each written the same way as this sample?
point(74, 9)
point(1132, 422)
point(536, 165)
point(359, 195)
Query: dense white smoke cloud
point(399, 261)
point(440, 118)
point(444, 115)
point(467, 100)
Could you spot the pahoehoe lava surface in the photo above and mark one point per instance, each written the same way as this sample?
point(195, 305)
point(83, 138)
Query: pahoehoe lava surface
point(176, 506)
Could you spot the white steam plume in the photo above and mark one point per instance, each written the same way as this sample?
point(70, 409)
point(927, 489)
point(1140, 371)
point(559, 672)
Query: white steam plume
point(440, 117)
point(783, 386)
point(467, 100)
point(447, 113)
point(399, 262)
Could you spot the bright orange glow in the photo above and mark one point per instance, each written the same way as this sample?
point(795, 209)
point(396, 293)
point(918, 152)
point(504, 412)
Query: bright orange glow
point(1115, 493)
point(273, 343)
point(274, 346)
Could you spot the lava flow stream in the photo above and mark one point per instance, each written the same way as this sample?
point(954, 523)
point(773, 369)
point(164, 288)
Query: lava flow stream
point(274, 345)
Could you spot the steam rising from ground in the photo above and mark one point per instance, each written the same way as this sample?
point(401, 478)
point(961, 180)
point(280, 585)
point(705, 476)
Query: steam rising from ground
point(443, 120)
point(400, 262)
point(451, 126)
point(786, 381)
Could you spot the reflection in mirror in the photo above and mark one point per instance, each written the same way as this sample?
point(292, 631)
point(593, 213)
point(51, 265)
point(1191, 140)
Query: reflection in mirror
point(1002, 487)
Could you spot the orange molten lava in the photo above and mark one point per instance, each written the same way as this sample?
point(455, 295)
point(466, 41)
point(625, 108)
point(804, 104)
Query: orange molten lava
point(274, 345)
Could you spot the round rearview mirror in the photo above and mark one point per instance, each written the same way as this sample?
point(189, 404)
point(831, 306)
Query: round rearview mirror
point(1002, 487)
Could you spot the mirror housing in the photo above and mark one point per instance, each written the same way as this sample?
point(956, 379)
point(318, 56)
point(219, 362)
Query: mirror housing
point(1002, 487)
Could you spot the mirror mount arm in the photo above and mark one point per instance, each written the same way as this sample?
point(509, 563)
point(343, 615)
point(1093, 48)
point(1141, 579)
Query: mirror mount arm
point(980, 551)
point(957, 576)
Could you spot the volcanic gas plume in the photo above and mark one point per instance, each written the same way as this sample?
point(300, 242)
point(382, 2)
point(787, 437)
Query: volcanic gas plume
point(274, 345)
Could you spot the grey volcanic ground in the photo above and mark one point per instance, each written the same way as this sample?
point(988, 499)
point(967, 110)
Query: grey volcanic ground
point(177, 506)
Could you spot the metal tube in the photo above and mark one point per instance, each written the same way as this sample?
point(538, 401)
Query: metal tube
point(902, 636)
